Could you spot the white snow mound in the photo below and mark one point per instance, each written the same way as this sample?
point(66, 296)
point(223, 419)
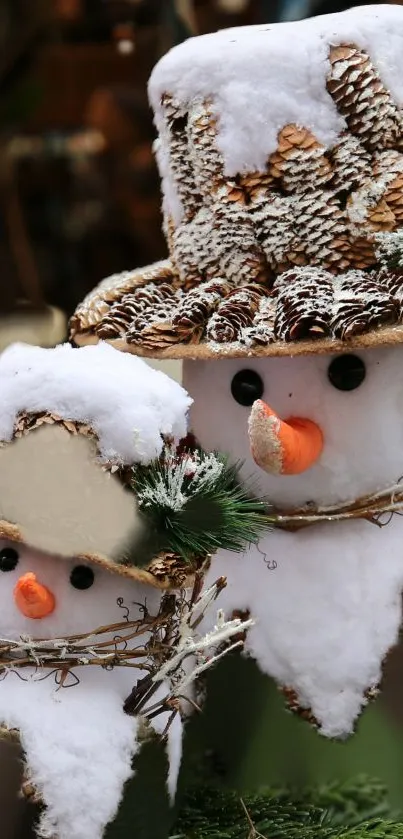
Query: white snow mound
point(128, 404)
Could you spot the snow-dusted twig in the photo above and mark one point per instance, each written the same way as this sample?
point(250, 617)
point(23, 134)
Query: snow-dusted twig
point(370, 507)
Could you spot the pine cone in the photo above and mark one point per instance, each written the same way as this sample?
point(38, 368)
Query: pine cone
point(176, 118)
point(320, 230)
point(155, 323)
point(122, 313)
point(299, 161)
point(255, 182)
point(239, 257)
point(361, 98)
point(391, 279)
point(236, 312)
point(197, 306)
point(206, 159)
point(192, 250)
point(304, 299)
point(273, 222)
point(351, 163)
point(368, 212)
point(262, 330)
point(360, 304)
point(156, 336)
point(394, 199)
point(97, 303)
point(388, 170)
point(362, 252)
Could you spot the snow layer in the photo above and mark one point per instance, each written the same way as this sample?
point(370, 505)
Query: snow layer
point(326, 615)
point(129, 404)
point(329, 612)
point(261, 78)
point(79, 744)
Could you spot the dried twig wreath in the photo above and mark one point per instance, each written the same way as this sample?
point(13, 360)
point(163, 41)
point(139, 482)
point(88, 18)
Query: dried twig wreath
point(377, 508)
point(166, 646)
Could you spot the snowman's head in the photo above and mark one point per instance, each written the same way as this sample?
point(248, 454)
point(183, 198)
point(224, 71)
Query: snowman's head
point(320, 428)
point(48, 596)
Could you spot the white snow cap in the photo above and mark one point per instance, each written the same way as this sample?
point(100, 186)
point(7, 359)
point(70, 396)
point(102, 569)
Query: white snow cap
point(261, 78)
point(126, 402)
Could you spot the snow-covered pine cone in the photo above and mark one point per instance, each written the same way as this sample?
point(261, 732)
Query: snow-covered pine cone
point(299, 162)
point(125, 311)
point(350, 162)
point(235, 313)
point(389, 165)
point(240, 259)
point(196, 307)
point(362, 99)
point(206, 160)
point(273, 222)
point(304, 298)
point(176, 118)
point(153, 327)
point(97, 303)
point(262, 329)
point(320, 231)
point(192, 250)
point(255, 182)
point(361, 252)
point(360, 304)
point(391, 279)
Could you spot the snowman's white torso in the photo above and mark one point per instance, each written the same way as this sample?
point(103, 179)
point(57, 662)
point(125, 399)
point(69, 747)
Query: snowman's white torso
point(326, 599)
point(77, 738)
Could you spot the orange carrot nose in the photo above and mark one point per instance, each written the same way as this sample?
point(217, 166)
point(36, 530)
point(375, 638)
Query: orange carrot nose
point(283, 448)
point(32, 598)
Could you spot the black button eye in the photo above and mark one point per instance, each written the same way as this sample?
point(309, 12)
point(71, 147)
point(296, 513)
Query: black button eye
point(347, 372)
point(8, 559)
point(82, 577)
point(246, 387)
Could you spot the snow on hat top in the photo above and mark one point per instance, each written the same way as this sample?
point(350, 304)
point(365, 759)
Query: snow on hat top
point(128, 404)
point(281, 154)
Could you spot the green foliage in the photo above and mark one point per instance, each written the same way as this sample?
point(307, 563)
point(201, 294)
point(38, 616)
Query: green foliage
point(194, 503)
point(390, 249)
point(351, 802)
point(334, 811)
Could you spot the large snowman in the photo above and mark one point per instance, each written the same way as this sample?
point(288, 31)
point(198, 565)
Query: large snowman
point(73, 426)
point(280, 151)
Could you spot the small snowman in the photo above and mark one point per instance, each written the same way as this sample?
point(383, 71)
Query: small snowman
point(76, 601)
point(281, 155)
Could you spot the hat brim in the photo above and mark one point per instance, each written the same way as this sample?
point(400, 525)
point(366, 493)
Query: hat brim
point(163, 572)
point(382, 337)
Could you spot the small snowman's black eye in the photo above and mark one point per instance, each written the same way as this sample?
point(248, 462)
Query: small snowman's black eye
point(347, 372)
point(246, 387)
point(8, 559)
point(82, 577)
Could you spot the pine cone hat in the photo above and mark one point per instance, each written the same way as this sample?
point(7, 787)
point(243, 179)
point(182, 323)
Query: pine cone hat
point(281, 155)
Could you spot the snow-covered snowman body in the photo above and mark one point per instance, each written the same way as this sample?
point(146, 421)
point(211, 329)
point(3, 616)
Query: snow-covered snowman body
point(75, 737)
point(330, 608)
point(281, 155)
point(59, 491)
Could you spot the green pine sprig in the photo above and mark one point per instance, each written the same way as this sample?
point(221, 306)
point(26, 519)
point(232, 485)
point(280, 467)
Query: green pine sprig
point(194, 503)
point(211, 813)
point(390, 249)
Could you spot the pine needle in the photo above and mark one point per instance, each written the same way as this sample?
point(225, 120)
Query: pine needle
point(194, 503)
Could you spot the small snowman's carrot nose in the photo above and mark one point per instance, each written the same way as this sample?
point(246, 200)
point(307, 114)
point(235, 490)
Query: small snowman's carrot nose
point(279, 447)
point(32, 598)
